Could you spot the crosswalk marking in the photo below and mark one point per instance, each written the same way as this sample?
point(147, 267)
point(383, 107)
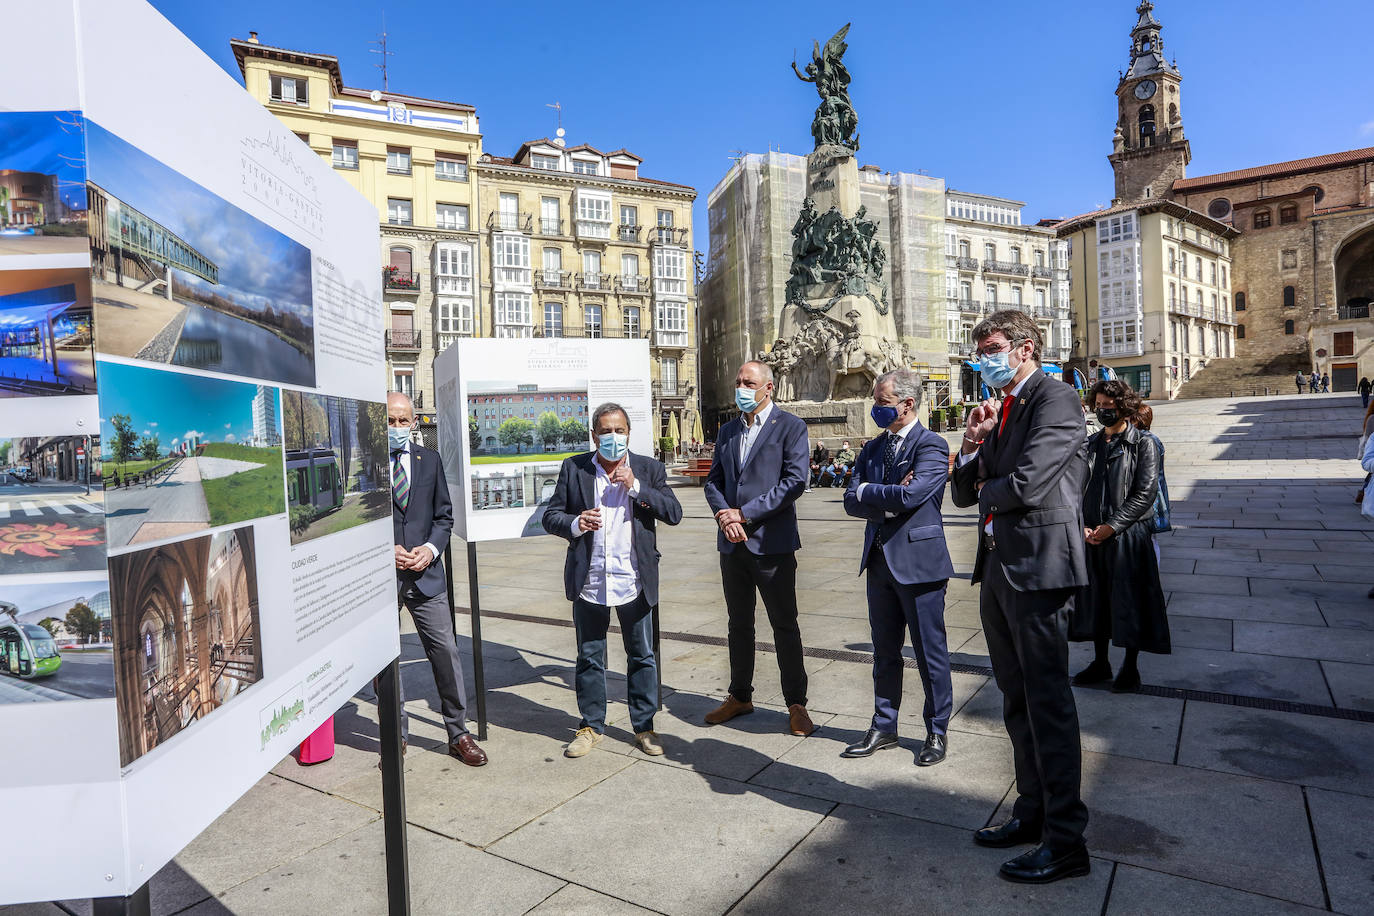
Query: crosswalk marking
point(30, 508)
point(57, 508)
point(4, 510)
point(60, 509)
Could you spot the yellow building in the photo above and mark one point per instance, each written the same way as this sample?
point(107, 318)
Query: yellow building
point(578, 244)
point(1151, 292)
point(467, 237)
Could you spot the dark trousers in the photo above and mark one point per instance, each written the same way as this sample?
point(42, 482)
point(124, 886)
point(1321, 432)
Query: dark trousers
point(434, 625)
point(592, 622)
point(774, 576)
point(1027, 636)
point(893, 610)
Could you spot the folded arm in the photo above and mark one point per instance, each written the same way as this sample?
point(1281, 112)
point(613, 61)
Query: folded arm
point(928, 476)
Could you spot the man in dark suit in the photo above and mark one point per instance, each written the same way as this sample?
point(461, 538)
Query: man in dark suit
point(421, 519)
point(898, 486)
point(1023, 462)
point(607, 504)
point(757, 473)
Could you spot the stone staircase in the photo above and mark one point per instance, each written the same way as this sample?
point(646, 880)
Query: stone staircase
point(1238, 376)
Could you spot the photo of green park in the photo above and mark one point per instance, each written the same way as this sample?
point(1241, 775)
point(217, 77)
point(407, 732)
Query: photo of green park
point(336, 463)
point(518, 422)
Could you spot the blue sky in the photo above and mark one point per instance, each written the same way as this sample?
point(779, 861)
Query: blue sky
point(998, 97)
point(32, 597)
point(258, 266)
point(49, 142)
point(174, 405)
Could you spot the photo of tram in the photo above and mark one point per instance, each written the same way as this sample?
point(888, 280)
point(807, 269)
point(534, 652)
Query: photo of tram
point(26, 650)
point(312, 479)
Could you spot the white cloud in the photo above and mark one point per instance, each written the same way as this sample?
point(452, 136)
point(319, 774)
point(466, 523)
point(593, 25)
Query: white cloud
point(1367, 128)
point(228, 425)
point(152, 423)
point(231, 438)
point(192, 434)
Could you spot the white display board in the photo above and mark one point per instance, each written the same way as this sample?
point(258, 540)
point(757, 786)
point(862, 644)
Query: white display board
point(510, 411)
point(193, 466)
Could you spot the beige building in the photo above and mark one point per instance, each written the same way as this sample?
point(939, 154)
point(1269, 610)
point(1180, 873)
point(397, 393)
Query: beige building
point(576, 243)
point(993, 261)
point(553, 241)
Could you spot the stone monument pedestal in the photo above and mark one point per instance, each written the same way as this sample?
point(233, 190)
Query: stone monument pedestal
point(831, 420)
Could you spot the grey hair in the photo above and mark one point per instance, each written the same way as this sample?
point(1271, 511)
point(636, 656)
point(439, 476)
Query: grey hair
point(609, 407)
point(906, 383)
point(765, 370)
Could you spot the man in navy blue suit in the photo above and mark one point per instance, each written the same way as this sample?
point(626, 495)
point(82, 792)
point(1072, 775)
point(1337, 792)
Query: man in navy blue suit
point(759, 469)
point(898, 485)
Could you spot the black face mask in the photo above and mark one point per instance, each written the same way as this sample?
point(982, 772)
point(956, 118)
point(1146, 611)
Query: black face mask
point(1108, 416)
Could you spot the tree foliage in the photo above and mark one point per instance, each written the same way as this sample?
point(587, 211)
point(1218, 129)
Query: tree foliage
point(516, 431)
point(50, 624)
point(83, 622)
point(550, 430)
point(474, 437)
point(124, 443)
point(576, 434)
point(150, 447)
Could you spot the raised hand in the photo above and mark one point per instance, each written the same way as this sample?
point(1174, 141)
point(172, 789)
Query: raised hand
point(590, 520)
point(981, 421)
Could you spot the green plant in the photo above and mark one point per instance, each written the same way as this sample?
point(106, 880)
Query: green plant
point(937, 418)
point(301, 517)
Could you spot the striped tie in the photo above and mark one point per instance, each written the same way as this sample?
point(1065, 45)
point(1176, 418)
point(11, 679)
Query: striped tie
point(400, 481)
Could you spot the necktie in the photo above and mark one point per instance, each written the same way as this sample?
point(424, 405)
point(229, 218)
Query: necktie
point(1001, 425)
point(400, 482)
point(889, 456)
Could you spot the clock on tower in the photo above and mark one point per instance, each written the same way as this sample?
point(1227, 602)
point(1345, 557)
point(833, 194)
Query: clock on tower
point(1149, 152)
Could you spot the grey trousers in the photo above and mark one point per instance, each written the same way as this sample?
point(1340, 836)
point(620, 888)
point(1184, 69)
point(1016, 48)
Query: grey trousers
point(434, 625)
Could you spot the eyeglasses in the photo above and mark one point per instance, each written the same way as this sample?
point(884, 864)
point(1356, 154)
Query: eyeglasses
point(980, 353)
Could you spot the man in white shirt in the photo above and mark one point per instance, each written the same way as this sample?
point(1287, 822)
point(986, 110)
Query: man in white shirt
point(607, 504)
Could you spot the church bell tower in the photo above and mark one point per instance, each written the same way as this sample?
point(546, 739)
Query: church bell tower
point(1149, 151)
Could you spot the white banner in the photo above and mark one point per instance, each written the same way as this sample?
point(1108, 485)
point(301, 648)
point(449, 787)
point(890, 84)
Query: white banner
point(195, 537)
point(511, 410)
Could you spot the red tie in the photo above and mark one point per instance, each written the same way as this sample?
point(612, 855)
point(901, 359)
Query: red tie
point(1002, 424)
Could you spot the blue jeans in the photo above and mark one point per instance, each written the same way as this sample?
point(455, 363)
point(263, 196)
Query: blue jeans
point(592, 622)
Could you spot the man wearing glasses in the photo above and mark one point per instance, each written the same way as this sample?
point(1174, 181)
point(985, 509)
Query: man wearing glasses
point(1023, 462)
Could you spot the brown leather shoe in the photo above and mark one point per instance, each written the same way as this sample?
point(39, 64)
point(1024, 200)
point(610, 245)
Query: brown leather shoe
point(799, 723)
point(466, 750)
point(728, 710)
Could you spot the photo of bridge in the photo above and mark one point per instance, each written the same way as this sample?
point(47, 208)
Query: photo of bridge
point(182, 276)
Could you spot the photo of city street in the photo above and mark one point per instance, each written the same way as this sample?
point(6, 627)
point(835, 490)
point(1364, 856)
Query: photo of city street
point(51, 507)
point(55, 642)
point(337, 474)
point(185, 453)
point(181, 276)
point(45, 333)
point(42, 183)
point(186, 634)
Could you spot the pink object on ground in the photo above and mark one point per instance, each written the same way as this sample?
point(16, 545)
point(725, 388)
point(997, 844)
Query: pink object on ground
point(319, 747)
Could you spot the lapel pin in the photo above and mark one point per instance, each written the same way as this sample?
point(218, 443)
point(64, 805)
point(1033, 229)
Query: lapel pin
point(1023, 400)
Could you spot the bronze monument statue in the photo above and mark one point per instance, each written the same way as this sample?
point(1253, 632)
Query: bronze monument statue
point(835, 123)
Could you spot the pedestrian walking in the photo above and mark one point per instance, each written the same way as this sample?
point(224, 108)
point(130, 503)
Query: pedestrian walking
point(1364, 388)
point(1022, 463)
point(1302, 383)
point(1314, 382)
point(1326, 383)
point(1366, 433)
point(1123, 604)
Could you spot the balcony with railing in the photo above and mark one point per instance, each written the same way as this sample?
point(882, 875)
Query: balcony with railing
point(508, 221)
point(1042, 273)
point(668, 391)
point(967, 306)
point(551, 278)
point(960, 348)
point(966, 263)
point(670, 339)
point(633, 284)
point(450, 285)
point(594, 281)
point(1184, 307)
point(400, 281)
point(1352, 312)
point(668, 235)
point(596, 230)
point(403, 339)
point(628, 233)
point(1011, 268)
point(550, 226)
point(1042, 311)
point(1055, 354)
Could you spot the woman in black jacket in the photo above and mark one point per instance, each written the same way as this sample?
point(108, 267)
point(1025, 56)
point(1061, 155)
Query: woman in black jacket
point(1123, 603)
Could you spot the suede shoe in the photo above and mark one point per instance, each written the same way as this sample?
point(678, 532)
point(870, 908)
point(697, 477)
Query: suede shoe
point(585, 739)
point(728, 709)
point(1043, 865)
point(648, 743)
point(798, 722)
point(1013, 832)
point(872, 742)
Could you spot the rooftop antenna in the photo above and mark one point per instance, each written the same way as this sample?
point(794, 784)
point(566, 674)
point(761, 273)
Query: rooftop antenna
point(382, 51)
point(560, 134)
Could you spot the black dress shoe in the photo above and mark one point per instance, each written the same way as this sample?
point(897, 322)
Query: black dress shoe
point(1127, 681)
point(932, 752)
point(1015, 832)
point(873, 742)
point(1095, 673)
point(1042, 865)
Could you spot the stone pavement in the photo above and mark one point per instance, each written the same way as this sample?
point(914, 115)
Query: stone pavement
point(1241, 780)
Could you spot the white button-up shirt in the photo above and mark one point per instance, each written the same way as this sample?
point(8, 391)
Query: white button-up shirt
point(613, 577)
point(751, 431)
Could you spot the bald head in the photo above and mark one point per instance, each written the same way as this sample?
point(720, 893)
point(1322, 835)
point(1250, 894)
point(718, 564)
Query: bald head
point(399, 410)
point(758, 378)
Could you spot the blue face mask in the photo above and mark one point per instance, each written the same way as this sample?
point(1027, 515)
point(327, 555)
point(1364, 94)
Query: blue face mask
point(995, 369)
point(612, 446)
point(746, 399)
point(884, 415)
point(398, 436)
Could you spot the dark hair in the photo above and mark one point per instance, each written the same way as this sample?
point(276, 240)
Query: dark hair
point(1127, 401)
point(1145, 416)
point(1015, 324)
point(609, 407)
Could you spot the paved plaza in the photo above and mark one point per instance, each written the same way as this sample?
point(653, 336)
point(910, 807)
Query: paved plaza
point(1240, 780)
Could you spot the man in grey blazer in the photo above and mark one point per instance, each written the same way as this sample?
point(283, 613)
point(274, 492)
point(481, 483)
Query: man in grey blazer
point(607, 504)
point(759, 469)
point(1023, 462)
